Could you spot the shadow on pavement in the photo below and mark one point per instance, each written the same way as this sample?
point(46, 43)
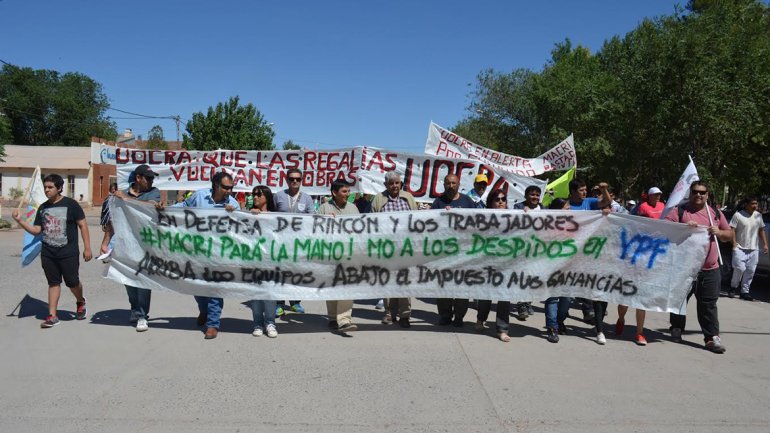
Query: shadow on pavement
point(33, 307)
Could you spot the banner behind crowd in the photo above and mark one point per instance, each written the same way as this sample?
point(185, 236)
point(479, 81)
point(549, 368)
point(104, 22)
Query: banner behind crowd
point(363, 167)
point(480, 254)
point(444, 143)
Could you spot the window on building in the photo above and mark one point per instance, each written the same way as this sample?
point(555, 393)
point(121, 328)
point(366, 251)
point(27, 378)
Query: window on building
point(71, 186)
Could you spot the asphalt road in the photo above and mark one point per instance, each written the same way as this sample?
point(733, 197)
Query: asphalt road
point(100, 375)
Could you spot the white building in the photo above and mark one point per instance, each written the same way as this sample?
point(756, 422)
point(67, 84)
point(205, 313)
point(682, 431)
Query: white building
point(71, 163)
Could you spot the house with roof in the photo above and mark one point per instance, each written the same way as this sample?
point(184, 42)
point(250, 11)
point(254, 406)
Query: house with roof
point(71, 163)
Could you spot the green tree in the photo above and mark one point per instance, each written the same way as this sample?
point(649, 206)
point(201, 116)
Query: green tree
point(289, 145)
point(47, 108)
point(5, 134)
point(229, 126)
point(694, 82)
point(155, 138)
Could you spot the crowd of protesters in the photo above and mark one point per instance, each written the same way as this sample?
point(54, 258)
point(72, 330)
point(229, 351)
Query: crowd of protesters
point(60, 218)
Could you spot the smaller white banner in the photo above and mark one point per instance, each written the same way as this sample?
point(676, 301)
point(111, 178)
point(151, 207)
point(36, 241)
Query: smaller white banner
point(444, 143)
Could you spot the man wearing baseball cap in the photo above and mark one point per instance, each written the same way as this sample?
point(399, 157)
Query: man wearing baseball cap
point(480, 183)
point(653, 207)
point(140, 189)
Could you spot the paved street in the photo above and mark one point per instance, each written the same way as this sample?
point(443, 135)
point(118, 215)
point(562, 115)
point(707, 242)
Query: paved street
point(100, 375)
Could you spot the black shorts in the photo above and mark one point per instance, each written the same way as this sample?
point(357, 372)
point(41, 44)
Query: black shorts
point(67, 267)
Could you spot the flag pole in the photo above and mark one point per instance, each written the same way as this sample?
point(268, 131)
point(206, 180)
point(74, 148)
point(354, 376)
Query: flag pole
point(711, 223)
point(25, 197)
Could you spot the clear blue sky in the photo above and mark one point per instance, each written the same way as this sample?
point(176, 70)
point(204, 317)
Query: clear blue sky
point(326, 73)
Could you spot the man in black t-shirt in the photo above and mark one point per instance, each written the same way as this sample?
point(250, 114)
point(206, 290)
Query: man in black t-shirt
point(58, 219)
point(452, 198)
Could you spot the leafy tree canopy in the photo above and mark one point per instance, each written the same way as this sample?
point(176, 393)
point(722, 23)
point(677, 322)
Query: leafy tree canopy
point(695, 82)
point(155, 138)
point(290, 145)
point(47, 108)
point(229, 126)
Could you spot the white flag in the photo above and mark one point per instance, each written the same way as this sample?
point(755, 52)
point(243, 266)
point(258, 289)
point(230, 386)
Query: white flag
point(689, 176)
point(32, 245)
point(36, 191)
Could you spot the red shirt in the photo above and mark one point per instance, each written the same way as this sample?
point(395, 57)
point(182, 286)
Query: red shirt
point(702, 219)
point(648, 211)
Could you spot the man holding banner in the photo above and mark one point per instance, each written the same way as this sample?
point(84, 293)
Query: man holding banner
point(696, 213)
point(141, 190)
point(295, 201)
point(480, 183)
point(531, 202)
point(578, 201)
point(340, 312)
point(218, 196)
point(452, 198)
point(395, 199)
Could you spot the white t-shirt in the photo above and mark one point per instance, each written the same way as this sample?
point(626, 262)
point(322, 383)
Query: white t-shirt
point(747, 229)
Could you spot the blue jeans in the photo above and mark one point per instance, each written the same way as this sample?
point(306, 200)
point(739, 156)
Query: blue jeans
point(556, 311)
point(263, 311)
point(212, 308)
point(139, 299)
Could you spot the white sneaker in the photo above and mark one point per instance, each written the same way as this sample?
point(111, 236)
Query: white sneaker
point(600, 338)
point(257, 332)
point(380, 304)
point(271, 331)
point(141, 325)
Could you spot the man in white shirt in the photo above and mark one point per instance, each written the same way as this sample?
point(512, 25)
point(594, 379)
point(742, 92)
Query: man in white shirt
point(749, 228)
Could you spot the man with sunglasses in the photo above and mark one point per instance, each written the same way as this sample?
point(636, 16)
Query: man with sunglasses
point(480, 183)
point(218, 196)
point(696, 213)
point(294, 201)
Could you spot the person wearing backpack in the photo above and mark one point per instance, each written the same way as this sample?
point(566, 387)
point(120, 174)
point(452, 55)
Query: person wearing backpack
point(696, 212)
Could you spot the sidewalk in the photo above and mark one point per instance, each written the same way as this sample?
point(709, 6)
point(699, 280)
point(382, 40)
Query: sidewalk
point(100, 375)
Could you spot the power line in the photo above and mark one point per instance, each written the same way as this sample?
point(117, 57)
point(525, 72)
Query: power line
point(146, 116)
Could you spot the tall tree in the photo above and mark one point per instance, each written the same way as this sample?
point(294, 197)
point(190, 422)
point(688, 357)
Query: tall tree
point(290, 145)
point(229, 126)
point(47, 108)
point(155, 138)
point(694, 82)
point(5, 134)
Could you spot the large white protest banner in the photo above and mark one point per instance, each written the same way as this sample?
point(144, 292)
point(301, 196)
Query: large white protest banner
point(444, 143)
point(363, 167)
point(465, 253)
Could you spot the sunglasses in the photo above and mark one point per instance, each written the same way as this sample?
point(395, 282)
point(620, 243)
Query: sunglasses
point(226, 187)
point(257, 194)
point(294, 179)
point(699, 192)
point(499, 199)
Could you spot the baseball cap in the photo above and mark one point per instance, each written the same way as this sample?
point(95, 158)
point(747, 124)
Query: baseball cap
point(654, 190)
point(481, 178)
point(631, 203)
point(144, 170)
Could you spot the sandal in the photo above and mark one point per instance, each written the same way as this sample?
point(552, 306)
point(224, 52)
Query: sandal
point(504, 337)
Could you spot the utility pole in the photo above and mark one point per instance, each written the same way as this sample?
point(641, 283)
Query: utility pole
point(177, 128)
